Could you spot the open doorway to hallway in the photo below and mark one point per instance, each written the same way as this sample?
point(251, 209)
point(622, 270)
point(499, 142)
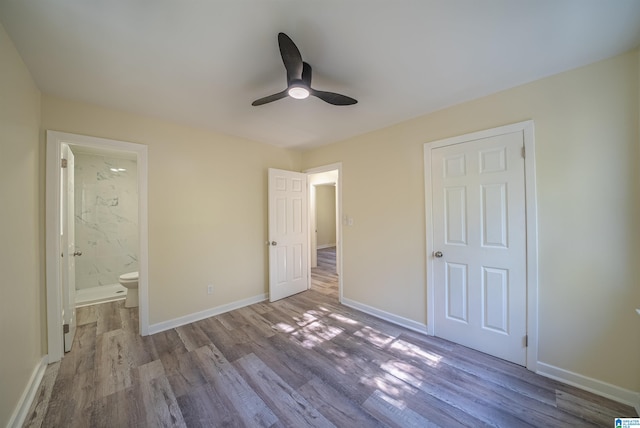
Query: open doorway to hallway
point(325, 230)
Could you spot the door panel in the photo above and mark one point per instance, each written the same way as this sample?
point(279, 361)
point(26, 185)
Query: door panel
point(456, 215)
point(288, 234)
point(457, 295)
point(495, 299)
point(479, 226)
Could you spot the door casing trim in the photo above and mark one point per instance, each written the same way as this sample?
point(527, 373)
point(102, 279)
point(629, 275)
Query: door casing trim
point(531, 210)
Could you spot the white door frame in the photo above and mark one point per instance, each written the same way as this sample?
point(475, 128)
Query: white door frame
point(52, 225)
point(531, 210)
point(327, 168)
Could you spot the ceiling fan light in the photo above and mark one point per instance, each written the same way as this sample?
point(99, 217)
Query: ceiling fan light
point(298, 92)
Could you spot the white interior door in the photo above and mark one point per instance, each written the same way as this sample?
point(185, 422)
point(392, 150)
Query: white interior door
point(68, 268)
point(288, 234)
point(479, 242)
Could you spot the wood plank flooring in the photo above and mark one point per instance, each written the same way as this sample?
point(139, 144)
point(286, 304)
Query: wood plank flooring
point(304, 361)
point(324, 277)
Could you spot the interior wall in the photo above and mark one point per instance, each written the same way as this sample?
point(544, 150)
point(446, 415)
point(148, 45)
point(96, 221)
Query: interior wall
point(106, 219)
point(22, 292)
point(207, 205)
point(326, 216)
point(587, 149)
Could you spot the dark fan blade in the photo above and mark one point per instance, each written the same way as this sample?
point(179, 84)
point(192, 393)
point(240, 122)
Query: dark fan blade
point(306, 74)
point(270, 98)
point(290, 57)
point(333, 98)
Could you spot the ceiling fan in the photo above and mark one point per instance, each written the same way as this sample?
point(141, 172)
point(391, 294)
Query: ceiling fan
point(299, 78)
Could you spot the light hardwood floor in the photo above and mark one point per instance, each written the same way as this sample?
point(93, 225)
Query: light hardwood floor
point(302, 361)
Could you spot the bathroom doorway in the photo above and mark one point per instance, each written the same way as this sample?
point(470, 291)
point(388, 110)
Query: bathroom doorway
point(110, 221)
point(105, 221)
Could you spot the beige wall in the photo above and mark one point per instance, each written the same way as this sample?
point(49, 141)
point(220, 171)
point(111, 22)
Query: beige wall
point(207, 205)
point(22, 294)
point(587, 151)
point(326, 215)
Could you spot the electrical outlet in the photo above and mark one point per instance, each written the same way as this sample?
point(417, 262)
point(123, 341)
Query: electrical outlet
point(210, 289)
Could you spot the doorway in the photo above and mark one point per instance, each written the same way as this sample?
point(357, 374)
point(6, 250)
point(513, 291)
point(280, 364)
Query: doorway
point(482, 241)
point(105, 222)
point(292, 238)
point(325, 229)
point(58, 142)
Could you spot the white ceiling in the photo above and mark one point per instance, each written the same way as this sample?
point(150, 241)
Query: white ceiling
point(202, 63)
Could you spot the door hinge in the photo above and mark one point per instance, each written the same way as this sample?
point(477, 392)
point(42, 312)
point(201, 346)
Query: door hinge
point(63, 163)
point(526, 341)
point(65, 328)
point(523, 153)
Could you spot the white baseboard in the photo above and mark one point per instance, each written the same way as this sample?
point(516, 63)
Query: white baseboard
point(20, 413)
point(187, 319)
point(604, 389)
point(387, 316)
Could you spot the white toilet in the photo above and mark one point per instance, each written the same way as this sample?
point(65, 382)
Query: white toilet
point(130, 282)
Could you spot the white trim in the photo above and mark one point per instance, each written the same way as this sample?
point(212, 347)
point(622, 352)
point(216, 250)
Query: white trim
point(527, 129)
point(55, 339)
point(338, 245)
point(197, 316)
point(20, 413)
point(531, 201)
point(387, 316)
point(604, 389)
point(54, 300)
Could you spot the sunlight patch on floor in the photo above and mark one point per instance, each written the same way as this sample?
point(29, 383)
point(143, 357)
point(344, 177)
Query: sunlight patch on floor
point(404, 372)
point(306, 318)
point(374, 337)
point(338, 352)
point(323, 309)
point(412, 350)
point(316, 333)
point(389, 384)
point(343, 319)
point(283, 327)
point(399, 404)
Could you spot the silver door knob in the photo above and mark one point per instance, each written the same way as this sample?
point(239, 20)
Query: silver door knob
point(274, 243)
point(438, 254)
point(77, 253)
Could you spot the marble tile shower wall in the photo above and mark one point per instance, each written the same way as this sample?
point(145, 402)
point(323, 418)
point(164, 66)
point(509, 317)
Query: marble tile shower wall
point(106, 219)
